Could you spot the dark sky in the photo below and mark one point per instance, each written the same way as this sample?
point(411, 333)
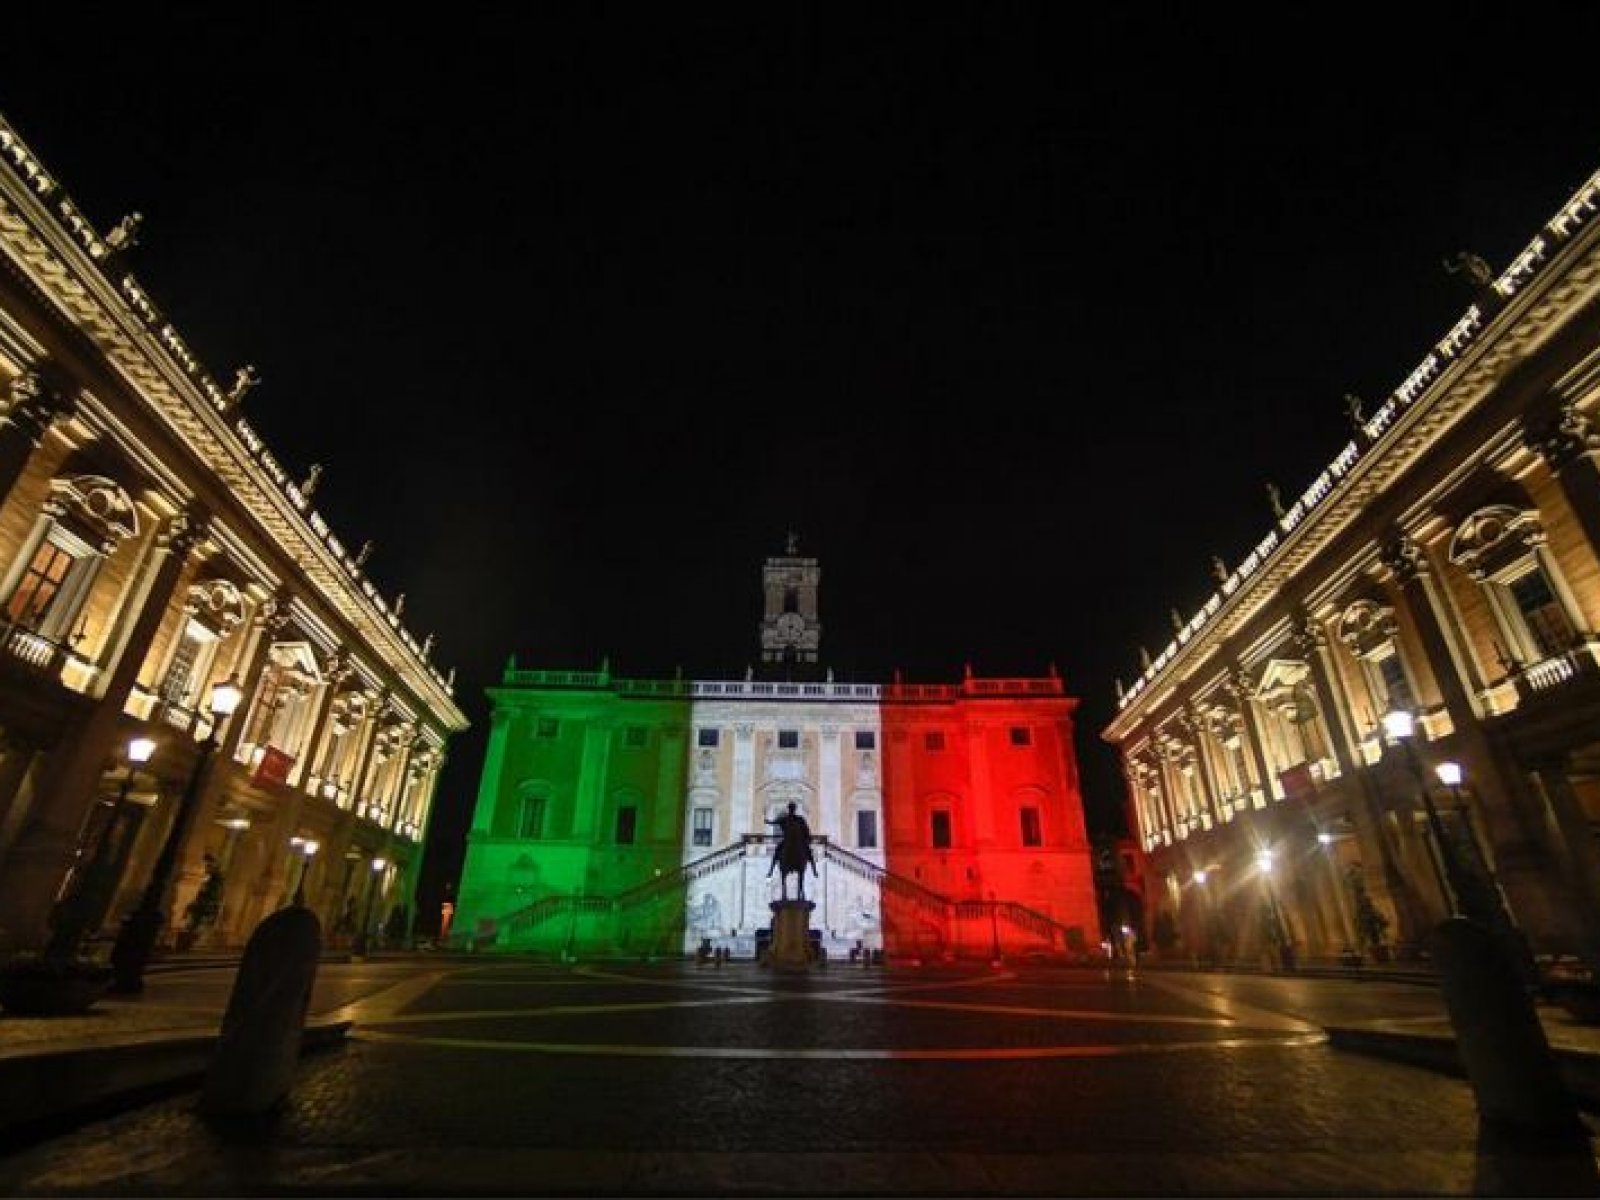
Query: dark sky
point(1011, 313)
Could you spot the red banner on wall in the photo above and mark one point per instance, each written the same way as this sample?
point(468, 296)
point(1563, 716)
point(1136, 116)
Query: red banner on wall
point(1297, 782)
point(273, 767)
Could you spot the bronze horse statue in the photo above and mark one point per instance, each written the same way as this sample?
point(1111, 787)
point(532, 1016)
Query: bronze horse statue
point(793, 853)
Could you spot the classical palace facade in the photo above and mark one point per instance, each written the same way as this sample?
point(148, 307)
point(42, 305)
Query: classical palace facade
point(1442, 574)
point(635, 816)
point(151, 547)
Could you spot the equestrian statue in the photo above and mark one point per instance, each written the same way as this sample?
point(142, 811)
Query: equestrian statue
point(792, 854)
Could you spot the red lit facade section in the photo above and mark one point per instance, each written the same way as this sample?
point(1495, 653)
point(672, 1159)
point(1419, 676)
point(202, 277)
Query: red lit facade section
point(985, 842)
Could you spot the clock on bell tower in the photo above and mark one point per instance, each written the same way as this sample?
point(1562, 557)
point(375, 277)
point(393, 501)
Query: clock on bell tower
point(790, 630)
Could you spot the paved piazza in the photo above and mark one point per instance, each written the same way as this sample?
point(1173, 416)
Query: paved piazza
point(514, 1078)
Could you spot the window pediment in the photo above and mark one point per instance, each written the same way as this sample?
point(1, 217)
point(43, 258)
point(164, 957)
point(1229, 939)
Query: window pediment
point(1367, 627)
point(1495, 537)
point(216, 605)
point(95, 508)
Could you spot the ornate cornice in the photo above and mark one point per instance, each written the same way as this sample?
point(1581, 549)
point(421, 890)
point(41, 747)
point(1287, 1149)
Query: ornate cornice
point(1555, 275)
point(59, 252)
point(1562, 439)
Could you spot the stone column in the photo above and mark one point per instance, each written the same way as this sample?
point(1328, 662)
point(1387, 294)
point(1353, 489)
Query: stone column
point(485, 814)
point(1568, 443)
point(829, 766)
point(28, 408)
point(742, 790)
point(1508, 825)
point(1578, 847)
point(1521, 862)
point(1364, 806)
point(1242, 689)
point(68, 782)
point(1195, 727)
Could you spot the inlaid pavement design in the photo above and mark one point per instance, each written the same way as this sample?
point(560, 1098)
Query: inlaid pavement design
point(513, 1078)
point(749, 1012)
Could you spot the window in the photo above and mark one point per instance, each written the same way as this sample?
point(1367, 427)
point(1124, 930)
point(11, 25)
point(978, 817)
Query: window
point(40, 585)
point(530, 817)
point(867, 829)
point(627, 822)
point(706, 737)
point(191, 663)
point(866, 740)
point(941, 828)
point(702, 827)
point(1546, 621)
point(933, 741)
point(1396, 687)
point(548, 727)
point(1032, 834)
point(1021, 735)
point(635, 736)
point(1505, 548)
point(788, 739)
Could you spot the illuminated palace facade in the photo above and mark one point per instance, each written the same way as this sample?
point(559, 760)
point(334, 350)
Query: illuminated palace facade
point(150, 547)
point(1444, 573)
point(621, 816)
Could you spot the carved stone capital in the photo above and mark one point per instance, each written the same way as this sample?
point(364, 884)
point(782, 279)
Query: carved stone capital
point(31, 405)
point(1563, 438)
point(273, 614)
point(181, 534)
point(1309, 637)
point(1405, 558)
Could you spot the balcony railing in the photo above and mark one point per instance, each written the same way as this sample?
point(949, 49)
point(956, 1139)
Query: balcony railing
point(1552, 672)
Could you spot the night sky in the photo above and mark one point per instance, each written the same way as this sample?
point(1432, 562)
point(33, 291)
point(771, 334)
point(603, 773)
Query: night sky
point(1010, 316)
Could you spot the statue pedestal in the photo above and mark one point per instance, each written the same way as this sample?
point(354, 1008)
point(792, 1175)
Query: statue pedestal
point(791, 930)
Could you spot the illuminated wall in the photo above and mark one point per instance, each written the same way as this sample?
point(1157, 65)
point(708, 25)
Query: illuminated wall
point(631, 817)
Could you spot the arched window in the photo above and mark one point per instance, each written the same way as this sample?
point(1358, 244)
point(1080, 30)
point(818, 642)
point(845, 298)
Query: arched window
point(84, 520)
point(1504, 549)
point(1369, 631)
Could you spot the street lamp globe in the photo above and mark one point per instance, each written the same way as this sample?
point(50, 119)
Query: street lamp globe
point(1398, 724)
point(1264, 861)
point(379, 864)
point(1324, 839)
point(140, 749)
point(225, 697)
point(1200, 877)
point(1449, 773)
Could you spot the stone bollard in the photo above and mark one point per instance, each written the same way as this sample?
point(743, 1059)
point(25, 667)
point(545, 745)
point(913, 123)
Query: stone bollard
point(259, 1047)
point(1502, 1044)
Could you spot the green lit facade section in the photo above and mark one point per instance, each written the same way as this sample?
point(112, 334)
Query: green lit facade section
point(577, 838)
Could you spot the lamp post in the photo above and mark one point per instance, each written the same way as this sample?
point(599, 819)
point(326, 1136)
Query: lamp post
point(1473, 891)
point(358, 947)
point(308, 850)
point(73, 917)
point(1265, 861)
point(137, 937)
point(1401, 726)
point(1198, 878)
point(994, 930)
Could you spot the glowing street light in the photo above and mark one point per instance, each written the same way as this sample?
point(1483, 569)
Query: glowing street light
point(308, 848)
point(136, 940)
point(358, 948)
point(95, 881)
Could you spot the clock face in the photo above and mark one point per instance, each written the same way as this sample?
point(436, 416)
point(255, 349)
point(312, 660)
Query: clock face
point(791, 625)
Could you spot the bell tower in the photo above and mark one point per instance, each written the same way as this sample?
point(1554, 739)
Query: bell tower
point(790, 630)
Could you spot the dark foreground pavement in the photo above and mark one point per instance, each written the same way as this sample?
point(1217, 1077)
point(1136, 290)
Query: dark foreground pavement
point(513, 1078)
